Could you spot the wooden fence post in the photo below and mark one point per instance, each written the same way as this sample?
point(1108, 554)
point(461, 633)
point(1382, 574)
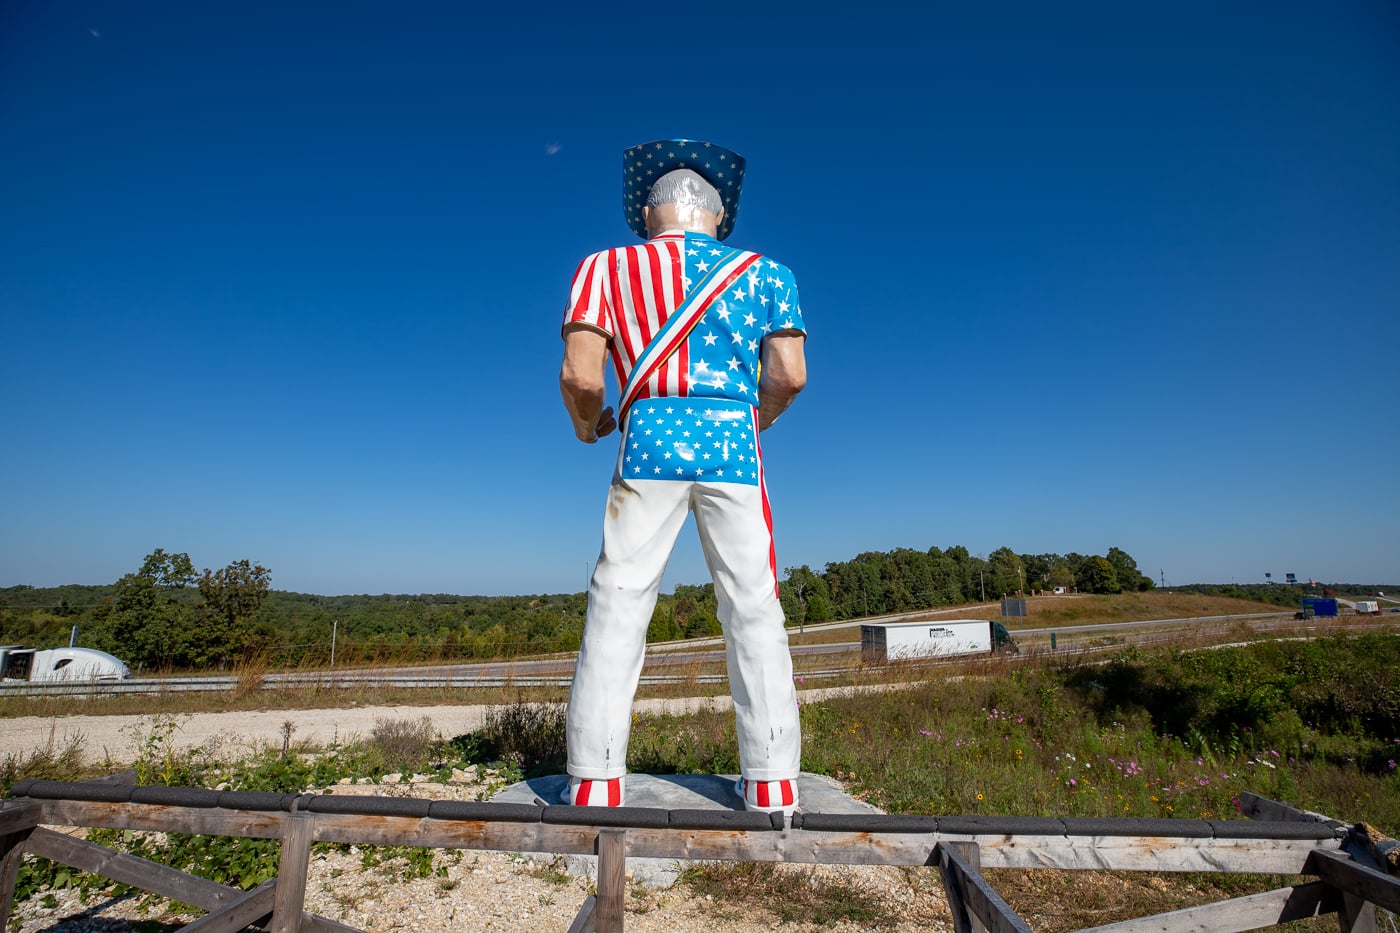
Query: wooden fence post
point(289, 903)
point(964, 921)
point(970, 897)
point(19, 822)
point(1357, 915)
point(11, 853)
point(612, 875)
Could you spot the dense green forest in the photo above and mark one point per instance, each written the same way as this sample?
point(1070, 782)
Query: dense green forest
point(165, 616)
point(904, 579)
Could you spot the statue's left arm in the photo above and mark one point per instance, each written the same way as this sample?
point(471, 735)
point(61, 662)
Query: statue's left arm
point(784, 374)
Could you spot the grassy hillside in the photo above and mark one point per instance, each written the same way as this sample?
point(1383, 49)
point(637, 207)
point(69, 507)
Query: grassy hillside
point(1135, 607)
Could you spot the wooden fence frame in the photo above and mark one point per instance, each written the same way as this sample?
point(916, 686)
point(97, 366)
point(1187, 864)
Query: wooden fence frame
point(1356, 868)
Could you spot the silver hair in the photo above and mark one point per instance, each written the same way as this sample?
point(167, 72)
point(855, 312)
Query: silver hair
point(685, 187)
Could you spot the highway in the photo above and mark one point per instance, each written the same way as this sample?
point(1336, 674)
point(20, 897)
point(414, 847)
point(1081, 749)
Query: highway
point(695, 656)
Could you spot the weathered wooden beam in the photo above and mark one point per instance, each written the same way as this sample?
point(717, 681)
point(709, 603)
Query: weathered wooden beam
point(612, 876)
point(1356, 915)
point(152, 876)
point(1262, 808)
point(1356, 879)
point(130, 869)
point(1130, 853)
point(253, 907)
point(20, 815)
point(1255, 912)
point(199, 821)
point(585, 920)
point(295, 858)
point(971, 896)
point(12, 845)
point(1108, 852)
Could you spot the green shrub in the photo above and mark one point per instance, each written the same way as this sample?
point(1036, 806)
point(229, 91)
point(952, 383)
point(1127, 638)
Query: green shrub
point(406, 745)
point(530, 736)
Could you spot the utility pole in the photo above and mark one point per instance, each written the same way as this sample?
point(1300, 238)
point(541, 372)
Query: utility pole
point(335, 627)
point(983, 581)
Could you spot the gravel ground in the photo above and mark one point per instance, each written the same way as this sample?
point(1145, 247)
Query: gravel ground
point(488, 891)
point(480, 890)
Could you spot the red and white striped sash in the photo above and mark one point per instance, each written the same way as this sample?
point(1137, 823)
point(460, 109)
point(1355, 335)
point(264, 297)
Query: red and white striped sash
point(672, 335)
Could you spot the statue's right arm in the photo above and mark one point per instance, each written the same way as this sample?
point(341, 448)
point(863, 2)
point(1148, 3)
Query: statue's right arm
point(581, 382)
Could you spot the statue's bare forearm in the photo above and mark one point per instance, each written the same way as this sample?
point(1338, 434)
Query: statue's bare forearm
point(581, 382)
point(784, 375)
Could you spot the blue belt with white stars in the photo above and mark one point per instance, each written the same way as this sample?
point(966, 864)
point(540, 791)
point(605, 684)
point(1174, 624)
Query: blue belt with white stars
point(708, 440)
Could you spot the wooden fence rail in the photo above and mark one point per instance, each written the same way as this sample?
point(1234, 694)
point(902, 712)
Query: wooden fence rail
point(1353, 865)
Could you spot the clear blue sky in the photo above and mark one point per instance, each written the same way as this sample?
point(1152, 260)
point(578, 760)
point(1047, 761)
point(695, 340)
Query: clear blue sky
point(283, 281)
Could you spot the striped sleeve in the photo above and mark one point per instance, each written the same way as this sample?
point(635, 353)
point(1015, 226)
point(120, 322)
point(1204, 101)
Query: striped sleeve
point(589, 302)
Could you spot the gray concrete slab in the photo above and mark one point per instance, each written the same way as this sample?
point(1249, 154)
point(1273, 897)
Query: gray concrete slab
point(816, 793)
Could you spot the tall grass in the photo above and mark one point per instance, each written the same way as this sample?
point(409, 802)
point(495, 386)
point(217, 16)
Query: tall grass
point(1160, 733)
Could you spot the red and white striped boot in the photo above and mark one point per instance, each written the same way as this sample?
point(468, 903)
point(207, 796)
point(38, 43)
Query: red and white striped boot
point(585, 792)
point(767, 796)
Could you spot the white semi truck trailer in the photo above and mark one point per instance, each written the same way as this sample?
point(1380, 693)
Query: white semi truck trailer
point(903, 641)
point(19, 664)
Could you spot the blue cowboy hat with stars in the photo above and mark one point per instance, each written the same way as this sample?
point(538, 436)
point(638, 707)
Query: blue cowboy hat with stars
point(643, 165)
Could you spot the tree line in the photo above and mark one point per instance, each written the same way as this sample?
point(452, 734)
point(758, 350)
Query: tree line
point(905, 580)
point(165, 616)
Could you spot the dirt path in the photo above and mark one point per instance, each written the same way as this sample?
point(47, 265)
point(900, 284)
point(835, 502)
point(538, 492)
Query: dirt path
point(118, 738)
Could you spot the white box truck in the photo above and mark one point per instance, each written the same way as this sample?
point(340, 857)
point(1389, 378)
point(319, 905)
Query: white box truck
point(1369, 607)
point(902, 641)
point(19, 664)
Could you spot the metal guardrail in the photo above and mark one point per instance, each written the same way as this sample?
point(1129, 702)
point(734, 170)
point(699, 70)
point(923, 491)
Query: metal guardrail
point(343, 682)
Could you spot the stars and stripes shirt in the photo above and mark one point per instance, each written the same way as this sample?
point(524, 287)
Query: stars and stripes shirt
point(627, 293)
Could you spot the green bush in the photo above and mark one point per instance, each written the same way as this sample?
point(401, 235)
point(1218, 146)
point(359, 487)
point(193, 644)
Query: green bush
point(406, 745)
point(242, 863)
point(529, 736)
point(1263, 696)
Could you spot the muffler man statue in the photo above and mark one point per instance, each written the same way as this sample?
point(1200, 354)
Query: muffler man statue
point(706, 344)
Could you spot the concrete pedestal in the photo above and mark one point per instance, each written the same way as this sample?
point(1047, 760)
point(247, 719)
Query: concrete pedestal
point(817, 794)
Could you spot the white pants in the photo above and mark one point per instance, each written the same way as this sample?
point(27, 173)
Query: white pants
point(640, 527)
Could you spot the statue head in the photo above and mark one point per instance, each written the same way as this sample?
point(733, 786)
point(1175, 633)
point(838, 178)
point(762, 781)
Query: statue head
point(706, 166)
point(683, 200)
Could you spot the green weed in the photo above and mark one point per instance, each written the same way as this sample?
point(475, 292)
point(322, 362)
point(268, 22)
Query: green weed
point(528, 736)
point(790, 894)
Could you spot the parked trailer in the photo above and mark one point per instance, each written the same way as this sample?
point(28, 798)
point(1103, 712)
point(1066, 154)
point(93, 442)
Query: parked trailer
point(19, 664)
point(1320, 607)
point(901, 641)
point(1368, 607)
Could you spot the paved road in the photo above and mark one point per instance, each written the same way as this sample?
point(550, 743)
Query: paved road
point(675, 662)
